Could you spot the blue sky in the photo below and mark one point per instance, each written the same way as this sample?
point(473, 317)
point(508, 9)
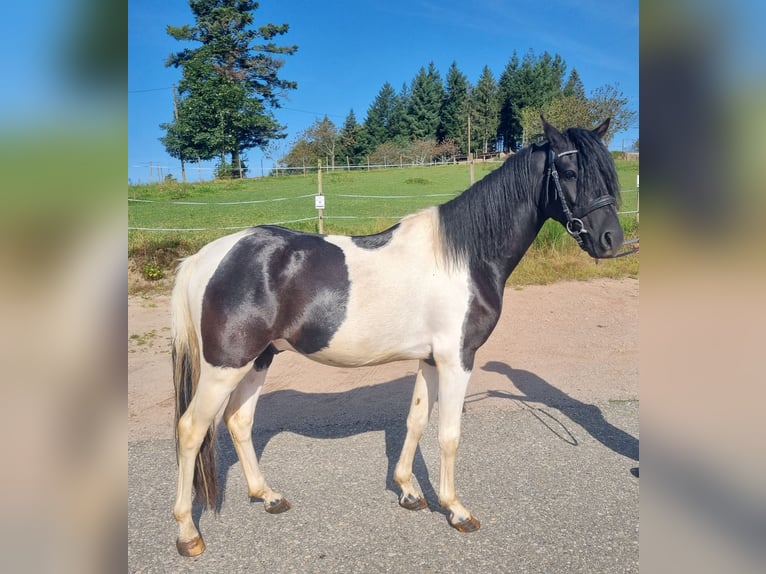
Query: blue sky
point(348, 49)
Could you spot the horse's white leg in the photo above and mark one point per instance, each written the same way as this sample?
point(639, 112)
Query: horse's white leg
point(420, 410)
point(453, 382)
point(214, 387)
point(239, 415)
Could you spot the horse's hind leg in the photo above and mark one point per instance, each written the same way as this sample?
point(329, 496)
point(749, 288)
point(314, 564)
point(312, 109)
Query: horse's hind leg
point(239, 415)
point(423, 398)
point(214, 387)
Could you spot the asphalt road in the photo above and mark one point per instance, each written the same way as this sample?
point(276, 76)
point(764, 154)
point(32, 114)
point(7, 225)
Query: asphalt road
point(555, 489)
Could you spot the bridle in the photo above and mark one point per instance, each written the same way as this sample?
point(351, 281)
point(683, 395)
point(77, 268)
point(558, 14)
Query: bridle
point(574, 225)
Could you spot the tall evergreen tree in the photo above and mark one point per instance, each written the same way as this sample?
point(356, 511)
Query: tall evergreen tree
point(454, 113)
point(485, 111)
point(533, 82)
point(377, 124)
point(425, 103)
point(574, 86)
point(549, 72)
point(351, 148)
point(399, 126)
point(509, 127)
point(229, 82)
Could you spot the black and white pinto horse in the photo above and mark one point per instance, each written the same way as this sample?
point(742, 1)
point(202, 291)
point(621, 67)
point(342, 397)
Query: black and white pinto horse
point(429, 288)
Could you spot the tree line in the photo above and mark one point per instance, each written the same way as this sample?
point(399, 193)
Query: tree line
point(231, 83)
point(433, 119)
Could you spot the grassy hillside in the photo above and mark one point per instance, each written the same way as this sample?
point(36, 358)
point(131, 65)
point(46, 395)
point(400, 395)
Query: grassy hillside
point(357, 202)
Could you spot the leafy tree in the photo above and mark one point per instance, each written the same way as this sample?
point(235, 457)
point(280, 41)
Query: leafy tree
point(318, 142)
point(425, 103)
point(228, 83)
point(422, 151)
point(609, 102)
point(324, 135)
point(566, 111)
point(562, 112)
point(454, 113)
point(447, 150)
point(485, 110)
point(387, 153)
point(302, 154)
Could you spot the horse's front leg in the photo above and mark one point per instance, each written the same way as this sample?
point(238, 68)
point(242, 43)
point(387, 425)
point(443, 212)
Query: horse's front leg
point(423, 398)
point(453, 382)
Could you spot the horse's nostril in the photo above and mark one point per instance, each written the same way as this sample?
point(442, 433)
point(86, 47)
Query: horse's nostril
point(606, 240)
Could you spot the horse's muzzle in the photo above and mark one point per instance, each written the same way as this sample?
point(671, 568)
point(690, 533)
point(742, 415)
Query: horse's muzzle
point(604, 245)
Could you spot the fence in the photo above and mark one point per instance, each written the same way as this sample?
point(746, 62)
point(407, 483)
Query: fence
point(158, 172)
point(319, 204)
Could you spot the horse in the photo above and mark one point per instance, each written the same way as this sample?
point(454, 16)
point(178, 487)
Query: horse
point(428, 288)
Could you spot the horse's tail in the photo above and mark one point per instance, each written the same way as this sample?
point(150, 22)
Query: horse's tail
point(186, 371)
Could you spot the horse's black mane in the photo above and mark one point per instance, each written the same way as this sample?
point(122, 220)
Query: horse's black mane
point(482, 222)
point(479, 222)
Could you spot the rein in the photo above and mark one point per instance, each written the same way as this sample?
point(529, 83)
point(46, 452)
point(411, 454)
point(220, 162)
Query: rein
point(574, 225)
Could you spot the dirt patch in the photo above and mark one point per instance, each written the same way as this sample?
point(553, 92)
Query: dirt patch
point(566, 344)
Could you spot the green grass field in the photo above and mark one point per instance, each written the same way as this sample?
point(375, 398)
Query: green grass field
point(216, 208)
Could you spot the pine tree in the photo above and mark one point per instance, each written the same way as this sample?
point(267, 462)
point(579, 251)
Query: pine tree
point(509, 128)
point(574, 86)
point(454, 113)
point(351, 149)
point(399, 124)
point(229, 82)
point(377, 124)
point(485, 111)
point(426, 98)
point(533, 82)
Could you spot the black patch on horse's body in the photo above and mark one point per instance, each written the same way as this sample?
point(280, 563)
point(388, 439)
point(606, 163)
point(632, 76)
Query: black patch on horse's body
point(273, 283)
point(487, 282)
point(375, 241)
point(263, 361)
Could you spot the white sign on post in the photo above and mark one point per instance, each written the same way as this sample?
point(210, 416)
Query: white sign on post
point(319, 201)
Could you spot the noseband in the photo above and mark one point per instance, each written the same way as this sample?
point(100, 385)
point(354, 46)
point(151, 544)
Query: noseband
point(574, 225)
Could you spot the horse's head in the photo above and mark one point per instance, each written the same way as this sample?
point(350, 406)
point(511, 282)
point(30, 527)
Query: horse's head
point(582, 190)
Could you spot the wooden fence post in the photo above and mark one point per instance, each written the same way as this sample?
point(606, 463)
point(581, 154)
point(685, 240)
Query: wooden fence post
point(319, 200)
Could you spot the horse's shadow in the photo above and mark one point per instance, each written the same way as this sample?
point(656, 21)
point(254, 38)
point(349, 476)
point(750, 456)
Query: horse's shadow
point(537, 390)
point(384, 407)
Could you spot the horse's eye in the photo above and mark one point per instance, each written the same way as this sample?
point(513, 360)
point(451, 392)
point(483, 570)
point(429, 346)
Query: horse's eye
point(570, 175)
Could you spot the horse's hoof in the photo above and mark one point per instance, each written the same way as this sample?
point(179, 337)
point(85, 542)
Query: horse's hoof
point(277, 506)
point(194, 547)
point(411, 502)
point(470, 524)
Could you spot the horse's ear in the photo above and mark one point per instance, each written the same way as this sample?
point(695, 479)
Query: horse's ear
point(601, 130)
point(553, 135)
